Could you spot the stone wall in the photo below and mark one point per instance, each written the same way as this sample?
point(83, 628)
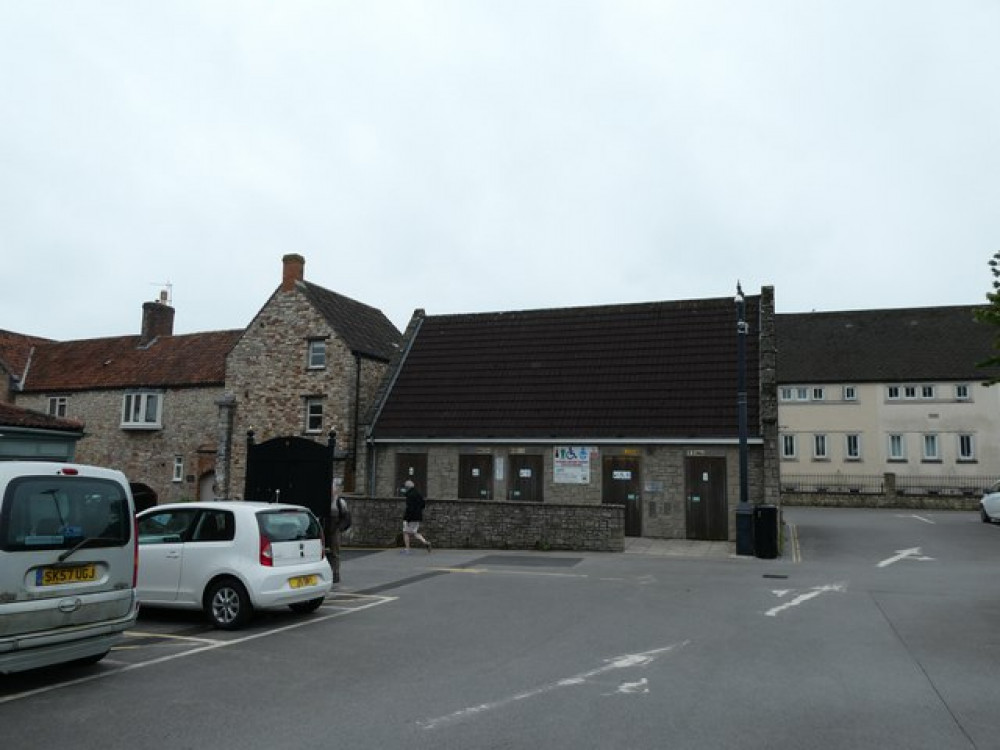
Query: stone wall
point(880, 500)
point(475, 524)
point(663, 497)
point(146, 455)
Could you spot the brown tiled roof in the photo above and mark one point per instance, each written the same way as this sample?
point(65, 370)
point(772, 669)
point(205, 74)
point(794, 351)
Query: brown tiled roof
point(365, 329)
point(14, 350)
point(894, 345)
point(15, 416)
point(663, 370)
point(196, 359)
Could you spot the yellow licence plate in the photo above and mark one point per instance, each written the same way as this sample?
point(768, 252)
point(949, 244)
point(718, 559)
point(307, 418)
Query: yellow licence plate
point(302, 581)
point(72, 574)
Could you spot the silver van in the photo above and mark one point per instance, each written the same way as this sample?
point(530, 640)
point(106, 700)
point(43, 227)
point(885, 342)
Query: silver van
point(68, 557)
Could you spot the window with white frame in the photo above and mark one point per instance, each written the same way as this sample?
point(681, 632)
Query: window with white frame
point(818, 394)
point(909, 391)
point(966, 447)
point(316, 359)
point(178, 469)
point(788, 446)
point(897, 448)
point(893, 392)
point(314, 415)
point(794, 393)
point(931, 449)
point(850, 393)
point(57, 406)
point(819, 447)
point(142, 410)
point(852, 447)
point(962, 392)
point(927, 391)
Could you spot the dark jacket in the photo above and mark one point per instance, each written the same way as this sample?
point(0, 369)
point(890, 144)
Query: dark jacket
point(414, 505)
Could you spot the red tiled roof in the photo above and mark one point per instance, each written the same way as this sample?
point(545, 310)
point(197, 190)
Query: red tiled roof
point(14, 350)
point(15, 416)
point(196, 359)
point(651, 370)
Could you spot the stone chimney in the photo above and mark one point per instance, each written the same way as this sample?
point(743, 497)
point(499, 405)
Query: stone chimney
point(294, 270)
point(157, 320)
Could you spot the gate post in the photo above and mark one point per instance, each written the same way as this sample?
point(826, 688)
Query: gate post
point(248, 474)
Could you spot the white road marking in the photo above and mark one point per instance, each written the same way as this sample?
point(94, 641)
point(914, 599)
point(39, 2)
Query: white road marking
point(626, 661)
point(839, 587)
point(630, 688)
point(914, 515)
point(913, 553)
point(210, 646)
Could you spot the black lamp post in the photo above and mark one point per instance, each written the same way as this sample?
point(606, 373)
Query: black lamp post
point(744, 513)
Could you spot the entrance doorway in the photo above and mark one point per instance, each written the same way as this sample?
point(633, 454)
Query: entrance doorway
point(622, 485)
point(475, 477)
point(525, 483)
point(705, 488)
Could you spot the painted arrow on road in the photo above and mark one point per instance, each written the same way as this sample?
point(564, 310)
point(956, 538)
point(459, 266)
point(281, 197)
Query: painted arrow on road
point(905, 554)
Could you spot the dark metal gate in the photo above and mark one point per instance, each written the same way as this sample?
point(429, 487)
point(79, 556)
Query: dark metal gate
point(291, 470)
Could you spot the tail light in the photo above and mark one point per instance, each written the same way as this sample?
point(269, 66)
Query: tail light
point(266, 556)
point(135, 551)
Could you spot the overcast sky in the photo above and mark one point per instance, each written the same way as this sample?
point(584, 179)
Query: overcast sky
point(467, 156)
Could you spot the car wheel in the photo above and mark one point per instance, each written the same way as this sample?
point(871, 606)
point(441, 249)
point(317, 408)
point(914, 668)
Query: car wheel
point(227, 604)
point(306, 607)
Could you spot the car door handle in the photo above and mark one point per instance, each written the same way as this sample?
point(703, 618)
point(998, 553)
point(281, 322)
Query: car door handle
point(173, 555)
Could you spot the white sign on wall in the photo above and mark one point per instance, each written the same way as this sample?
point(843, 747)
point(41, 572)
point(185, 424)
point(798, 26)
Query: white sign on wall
point(571, 465)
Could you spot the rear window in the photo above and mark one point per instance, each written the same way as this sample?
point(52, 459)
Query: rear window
point(288, 525)
point(60, 512)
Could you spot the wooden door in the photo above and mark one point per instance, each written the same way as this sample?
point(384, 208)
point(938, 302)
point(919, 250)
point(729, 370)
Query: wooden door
point(475, 477)
point(705, 489)
point(622, 485)
point(412, 466)
point(525, 482)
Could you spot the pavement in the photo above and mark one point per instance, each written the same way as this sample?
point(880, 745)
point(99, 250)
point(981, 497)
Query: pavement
point(636, 545)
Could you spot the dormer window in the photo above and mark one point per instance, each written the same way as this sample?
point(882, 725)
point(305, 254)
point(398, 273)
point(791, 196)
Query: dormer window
point(316, 355)
point(142, 410)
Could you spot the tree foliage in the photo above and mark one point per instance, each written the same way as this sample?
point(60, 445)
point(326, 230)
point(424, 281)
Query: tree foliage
point(991, 315)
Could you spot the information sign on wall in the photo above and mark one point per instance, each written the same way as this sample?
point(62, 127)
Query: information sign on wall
point(571, 465)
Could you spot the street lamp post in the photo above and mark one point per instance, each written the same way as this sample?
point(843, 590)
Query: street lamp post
point(744, 513)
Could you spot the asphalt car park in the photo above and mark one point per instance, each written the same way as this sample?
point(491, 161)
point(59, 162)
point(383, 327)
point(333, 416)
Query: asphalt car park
point(880, 632)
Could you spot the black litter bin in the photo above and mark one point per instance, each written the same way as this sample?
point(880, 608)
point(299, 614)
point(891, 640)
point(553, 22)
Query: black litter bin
point(765, 531)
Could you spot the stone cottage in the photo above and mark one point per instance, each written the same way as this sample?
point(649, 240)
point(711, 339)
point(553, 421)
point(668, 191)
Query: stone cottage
point(147, 401)
point(308, 365)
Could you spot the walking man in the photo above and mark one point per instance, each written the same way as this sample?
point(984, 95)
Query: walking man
point(413, 516)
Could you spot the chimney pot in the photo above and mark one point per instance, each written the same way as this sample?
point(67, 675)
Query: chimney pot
point(293, 270)
point(157, 320)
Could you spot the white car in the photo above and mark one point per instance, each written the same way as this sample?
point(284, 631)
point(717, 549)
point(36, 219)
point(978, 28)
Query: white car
point(989, 505)
point(231, 557)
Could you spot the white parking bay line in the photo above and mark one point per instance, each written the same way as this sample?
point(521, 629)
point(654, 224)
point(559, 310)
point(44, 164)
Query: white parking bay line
point(210, 646)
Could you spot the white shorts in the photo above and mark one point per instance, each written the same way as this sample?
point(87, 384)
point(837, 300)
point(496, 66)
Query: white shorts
point(411, 527)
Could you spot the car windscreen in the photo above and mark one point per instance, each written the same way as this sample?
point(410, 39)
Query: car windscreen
point(288, 525)
point(62, 512)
